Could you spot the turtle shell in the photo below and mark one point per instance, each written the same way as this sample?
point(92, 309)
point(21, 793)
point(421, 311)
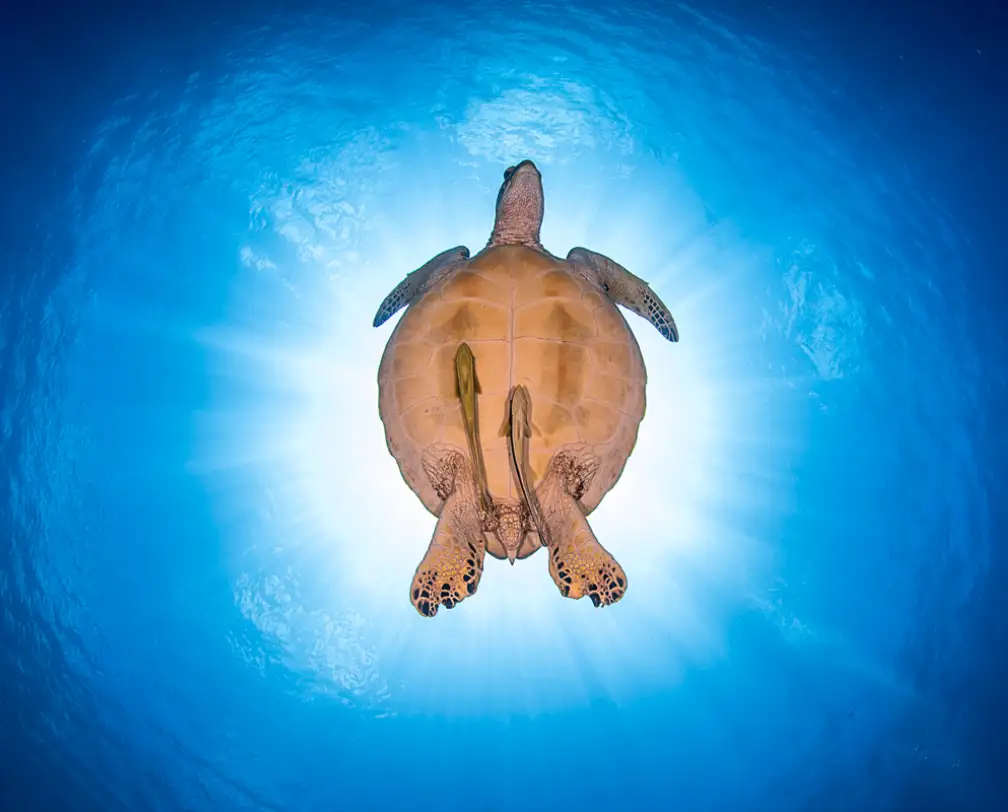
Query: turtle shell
point(530, 319)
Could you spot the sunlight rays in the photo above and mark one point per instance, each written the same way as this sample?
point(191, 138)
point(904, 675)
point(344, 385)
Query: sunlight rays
point(296, 433)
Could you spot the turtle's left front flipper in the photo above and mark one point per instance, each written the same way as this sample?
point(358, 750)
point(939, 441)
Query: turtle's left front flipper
point(625, 289)
point(420, 281)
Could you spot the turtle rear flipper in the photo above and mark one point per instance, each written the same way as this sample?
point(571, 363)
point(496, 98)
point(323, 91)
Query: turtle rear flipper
point(578, 564)
point(451, 569)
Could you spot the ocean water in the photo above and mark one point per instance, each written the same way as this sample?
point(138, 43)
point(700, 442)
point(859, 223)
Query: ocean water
point(207, 547)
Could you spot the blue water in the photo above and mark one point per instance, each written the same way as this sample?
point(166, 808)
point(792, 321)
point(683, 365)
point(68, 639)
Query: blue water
point(207, 547)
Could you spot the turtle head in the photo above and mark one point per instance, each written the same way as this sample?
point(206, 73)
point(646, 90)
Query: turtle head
point(519, 207)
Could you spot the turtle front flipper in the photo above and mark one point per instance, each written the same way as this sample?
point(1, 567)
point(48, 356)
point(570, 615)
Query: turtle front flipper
point(625, 289)
point(577, 562)
point(451, 570)
point(418, 282)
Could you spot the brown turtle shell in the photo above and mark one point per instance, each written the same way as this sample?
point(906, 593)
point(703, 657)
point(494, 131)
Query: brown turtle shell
point(530, 319)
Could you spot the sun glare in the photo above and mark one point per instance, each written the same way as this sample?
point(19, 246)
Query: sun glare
point(311, 494)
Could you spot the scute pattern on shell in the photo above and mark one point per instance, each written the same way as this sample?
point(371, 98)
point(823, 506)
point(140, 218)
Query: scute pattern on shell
point(529, 319)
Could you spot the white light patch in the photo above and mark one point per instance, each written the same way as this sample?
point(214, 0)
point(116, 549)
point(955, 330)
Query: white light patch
point(296, 453)
point(544, 121)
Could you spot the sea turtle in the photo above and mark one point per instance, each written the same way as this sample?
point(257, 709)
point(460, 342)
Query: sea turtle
point(511, 392)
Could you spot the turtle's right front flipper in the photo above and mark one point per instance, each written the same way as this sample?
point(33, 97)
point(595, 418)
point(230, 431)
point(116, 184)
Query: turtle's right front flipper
point(625, 289)
point(420, 281)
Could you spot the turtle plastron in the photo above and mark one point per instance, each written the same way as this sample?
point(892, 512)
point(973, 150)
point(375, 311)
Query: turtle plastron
point(497, 331)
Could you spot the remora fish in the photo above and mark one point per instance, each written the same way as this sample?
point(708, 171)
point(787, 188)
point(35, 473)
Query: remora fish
point(516, 429)
point(465, 379)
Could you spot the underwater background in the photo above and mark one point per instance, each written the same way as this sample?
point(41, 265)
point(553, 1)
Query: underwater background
point(206, 546)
